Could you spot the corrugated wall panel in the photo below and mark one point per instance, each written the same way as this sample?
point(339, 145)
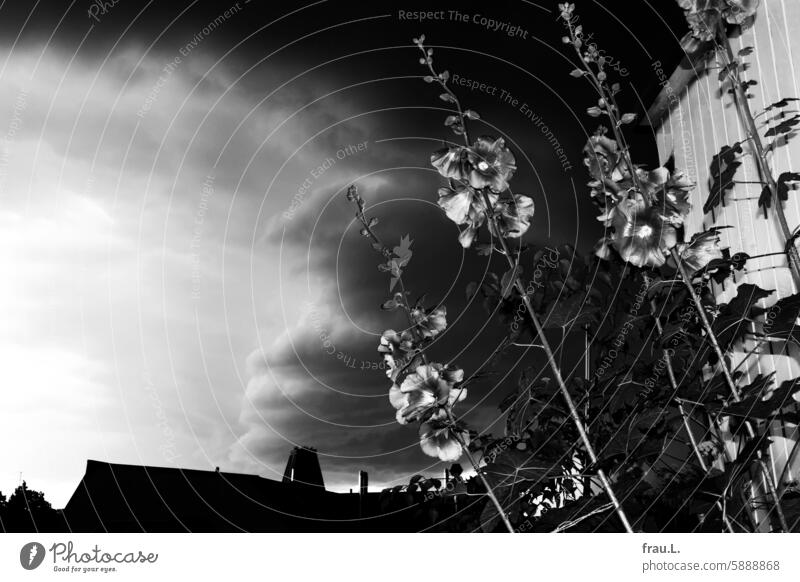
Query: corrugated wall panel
point(697, 127)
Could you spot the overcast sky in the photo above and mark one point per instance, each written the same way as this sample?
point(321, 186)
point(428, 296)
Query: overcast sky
point(170, 296)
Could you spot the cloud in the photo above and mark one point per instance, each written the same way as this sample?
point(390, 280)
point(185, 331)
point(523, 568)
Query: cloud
point(163, 309)
point(135, 293)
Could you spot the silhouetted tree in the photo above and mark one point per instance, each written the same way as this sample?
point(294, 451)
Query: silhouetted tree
point(3, 505)
point(27, 511)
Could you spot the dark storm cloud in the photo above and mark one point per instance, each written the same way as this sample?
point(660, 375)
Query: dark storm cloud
point(126, 136)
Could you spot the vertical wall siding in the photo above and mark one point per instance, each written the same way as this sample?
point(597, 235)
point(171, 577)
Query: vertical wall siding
point(697, 127)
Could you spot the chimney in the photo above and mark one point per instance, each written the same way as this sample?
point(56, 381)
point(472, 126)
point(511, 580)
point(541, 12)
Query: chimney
point(303, 468)
point(363, 484)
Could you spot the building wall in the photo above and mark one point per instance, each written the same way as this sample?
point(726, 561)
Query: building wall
point(700, 122)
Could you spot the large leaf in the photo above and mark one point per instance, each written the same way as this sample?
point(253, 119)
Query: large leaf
point(780, 320)
point(783, 127)
point(754, 407)
point(717, 392)
point(722, 171)
point(731, 323)
point(784, 182)
point(785, 102)
point(751, 449)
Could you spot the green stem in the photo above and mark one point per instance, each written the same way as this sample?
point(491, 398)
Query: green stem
point(611, 109)
point(540, 332)
point(481, 476)
point(751, 131)
point(573, 411)
point(446, 89)
point(712, 338)
point(685, 418)
point(701, 312)
point(407, 308)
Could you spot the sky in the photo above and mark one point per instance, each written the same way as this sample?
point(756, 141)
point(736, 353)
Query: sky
point(185, 285)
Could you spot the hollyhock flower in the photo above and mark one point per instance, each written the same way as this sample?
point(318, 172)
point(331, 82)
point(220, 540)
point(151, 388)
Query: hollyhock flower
point(703, 23)
point(705, 16)
point(604, 160)
point(393, 344)
point(515, 216)
point(668, 193)
point(467, 236)
point(430, 324)
point(461, 203)
point(641, 235)
point(740, 10)
point(602, 194)
point(441, 438)
point(602, 249)
point(392, 367)
point(464, 205)
point(451, 163)
point(429, 386)
point(674, 204)
point(605, 200)
point(700, 251)
point(491, 164)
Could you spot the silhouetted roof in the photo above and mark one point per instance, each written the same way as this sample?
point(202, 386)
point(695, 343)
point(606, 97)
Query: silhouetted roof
point(691, 66)
point(125, 498)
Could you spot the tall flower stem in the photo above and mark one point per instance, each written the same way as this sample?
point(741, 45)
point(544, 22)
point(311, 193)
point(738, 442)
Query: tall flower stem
point(612, 110)
point(442, 82)
point(751, 131)
point(362, 218)
point(692, 439)
point(701, 312)
point(489, 491)
point(685, 418)
point(513, 263)
point(701, 460)
point(712, 338)
point(573, 411)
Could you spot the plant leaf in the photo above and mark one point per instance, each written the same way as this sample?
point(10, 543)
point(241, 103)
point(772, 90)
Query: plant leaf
point(722, 171)
point(731, 322)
